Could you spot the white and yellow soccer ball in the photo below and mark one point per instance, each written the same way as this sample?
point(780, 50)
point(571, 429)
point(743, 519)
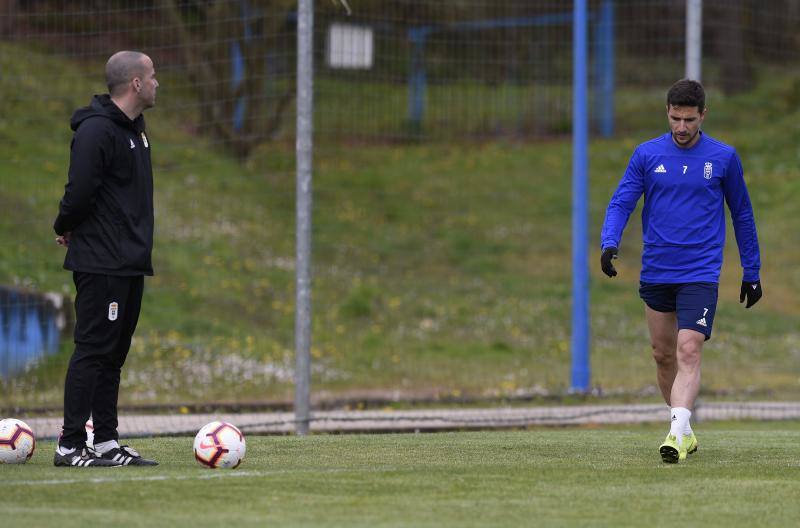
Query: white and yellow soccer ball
point(219, 445)
point(17, 441)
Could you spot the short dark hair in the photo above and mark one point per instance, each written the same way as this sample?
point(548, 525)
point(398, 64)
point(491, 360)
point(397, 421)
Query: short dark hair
point(687, 92)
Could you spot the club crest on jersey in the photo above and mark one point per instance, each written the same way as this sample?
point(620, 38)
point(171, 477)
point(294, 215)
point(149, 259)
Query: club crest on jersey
point(708, 170)
point(113, 311)
point(144, 140)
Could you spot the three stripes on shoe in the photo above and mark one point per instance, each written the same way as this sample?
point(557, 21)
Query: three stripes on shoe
point(122, 459)
point(82, 462)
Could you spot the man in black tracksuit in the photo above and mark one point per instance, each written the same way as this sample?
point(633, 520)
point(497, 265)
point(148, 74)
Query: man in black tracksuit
point(105, 220)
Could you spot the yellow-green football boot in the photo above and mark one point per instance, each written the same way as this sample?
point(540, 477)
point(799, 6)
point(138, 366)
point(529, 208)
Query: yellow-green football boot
point(688, 446)
point(670, 450)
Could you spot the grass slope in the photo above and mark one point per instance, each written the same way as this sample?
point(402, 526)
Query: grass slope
point(743, 475)
point(438, 267)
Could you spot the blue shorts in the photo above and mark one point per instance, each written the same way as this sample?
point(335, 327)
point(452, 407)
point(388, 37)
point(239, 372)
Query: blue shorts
point(695, 303)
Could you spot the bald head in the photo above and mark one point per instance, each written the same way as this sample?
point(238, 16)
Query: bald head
point(122, 67)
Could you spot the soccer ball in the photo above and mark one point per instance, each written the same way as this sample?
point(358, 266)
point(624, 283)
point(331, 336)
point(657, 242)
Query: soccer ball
point(17, 442)
point(219, 445)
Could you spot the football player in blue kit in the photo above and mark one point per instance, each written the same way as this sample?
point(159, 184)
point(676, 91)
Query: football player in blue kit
point(686, 178)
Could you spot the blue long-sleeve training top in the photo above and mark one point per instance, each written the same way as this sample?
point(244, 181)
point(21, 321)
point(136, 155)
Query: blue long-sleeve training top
point(683, 219)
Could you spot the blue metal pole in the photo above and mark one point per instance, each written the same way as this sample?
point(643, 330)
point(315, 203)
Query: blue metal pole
point(580, 207)
point(417, 79)
point(237, 78)
point(605, 73)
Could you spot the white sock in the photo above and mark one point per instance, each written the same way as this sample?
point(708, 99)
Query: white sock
point(105, 447)
point(688, 430)
point(679, 422)
point(65, 450)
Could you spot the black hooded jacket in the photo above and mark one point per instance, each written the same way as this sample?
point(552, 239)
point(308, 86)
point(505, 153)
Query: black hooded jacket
point(108, 200)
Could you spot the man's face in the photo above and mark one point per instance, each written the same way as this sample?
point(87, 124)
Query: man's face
point(685, 122)
point(148, 84)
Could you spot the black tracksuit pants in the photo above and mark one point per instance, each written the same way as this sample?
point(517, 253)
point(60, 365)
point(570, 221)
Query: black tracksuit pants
point(106, 312)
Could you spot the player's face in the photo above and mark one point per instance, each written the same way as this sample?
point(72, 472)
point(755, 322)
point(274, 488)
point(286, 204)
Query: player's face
point(149, 84)
point(684, 122)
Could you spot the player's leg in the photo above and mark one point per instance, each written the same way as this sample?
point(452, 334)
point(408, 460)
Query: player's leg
point(687, 378)
point(92, 345)
point(104, 406)
point(696, 306)
point(681, 439)
point(124, 315)
point(664, 341)
point(663, 327)
point(662, 321)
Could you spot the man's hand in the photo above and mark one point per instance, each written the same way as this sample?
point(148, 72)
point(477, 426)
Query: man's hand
point(63, 240)
point(750, 291)
point(608, 255)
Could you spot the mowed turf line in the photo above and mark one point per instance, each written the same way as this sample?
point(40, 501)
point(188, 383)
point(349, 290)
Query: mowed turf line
point(743, 475)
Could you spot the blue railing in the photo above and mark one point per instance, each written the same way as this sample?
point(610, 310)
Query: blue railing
point(30, 328)
point(603, 31)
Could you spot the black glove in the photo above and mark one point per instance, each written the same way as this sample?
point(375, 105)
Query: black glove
point(752, 291)
point(609, 253)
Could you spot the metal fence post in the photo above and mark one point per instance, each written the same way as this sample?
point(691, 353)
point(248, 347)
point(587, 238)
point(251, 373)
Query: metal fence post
point(694, 39)
point(305, 129)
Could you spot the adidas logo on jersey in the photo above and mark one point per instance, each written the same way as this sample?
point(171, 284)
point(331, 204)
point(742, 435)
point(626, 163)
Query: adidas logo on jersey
point(660, 169)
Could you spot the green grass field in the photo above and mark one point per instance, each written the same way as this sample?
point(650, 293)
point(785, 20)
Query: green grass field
point(439, 268)
point(744, 474)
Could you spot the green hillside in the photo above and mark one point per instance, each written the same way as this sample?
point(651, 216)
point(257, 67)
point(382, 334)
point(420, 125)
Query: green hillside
point(439, 268)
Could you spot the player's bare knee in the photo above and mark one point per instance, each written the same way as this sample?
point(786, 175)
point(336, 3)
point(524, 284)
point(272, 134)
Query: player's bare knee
point(663, 354)
point(689, 353)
